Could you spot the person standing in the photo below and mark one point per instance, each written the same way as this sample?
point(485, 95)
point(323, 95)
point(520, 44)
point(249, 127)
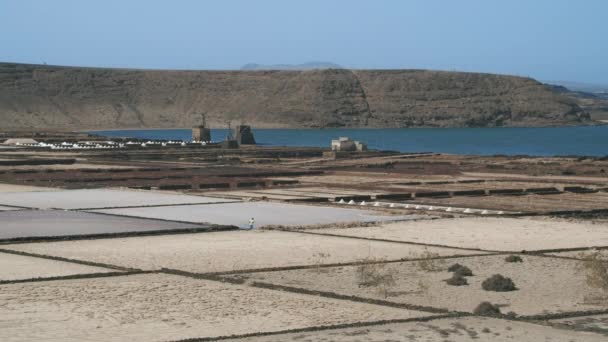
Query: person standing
point(251, 223)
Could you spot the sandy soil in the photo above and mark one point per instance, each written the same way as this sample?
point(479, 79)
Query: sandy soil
point(597, 180)
point(345, 179)
point(545, 285)
point(580, 254)
point(99, 198)
point(265, 213)
point(490, 185)
point(454, 330)
point(324, 192)
point(21, 188)
point(295, 193)
point(30, 223)
point(163, 307)
point(13, 267)
point(598, 322)
point(251, 194)
point(528, 203)
point(64, 167)
point(374, 178)
point(505, 234)
point(3, 208)
point(227, 251)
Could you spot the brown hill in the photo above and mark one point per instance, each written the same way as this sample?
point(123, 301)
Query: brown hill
point(40, 96)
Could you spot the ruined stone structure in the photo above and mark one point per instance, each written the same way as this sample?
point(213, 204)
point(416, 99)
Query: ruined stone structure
point(201, 133)
point(244, 135)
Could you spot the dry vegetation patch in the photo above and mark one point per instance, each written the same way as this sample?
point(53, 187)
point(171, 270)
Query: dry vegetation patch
point(429, 261)
point(409, 284)
point(594, 266)
point(373, 273)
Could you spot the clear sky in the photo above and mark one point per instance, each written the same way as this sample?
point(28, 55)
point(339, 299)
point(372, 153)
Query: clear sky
point(544, 39)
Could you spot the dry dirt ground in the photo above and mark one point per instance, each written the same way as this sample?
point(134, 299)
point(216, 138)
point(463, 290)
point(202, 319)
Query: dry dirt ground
point(64, 167)
point(99, 198)
point(498, 234)
point(304, 284)
point(282, 283)
point(581, 253)
point(527, 203)
point(597, 323)
point(229, 251)
point(21, 188)
point(314, 301)
point(19, 267)
point(535, 278)
point(3, 208)
point(165, 307)
point(454, 330)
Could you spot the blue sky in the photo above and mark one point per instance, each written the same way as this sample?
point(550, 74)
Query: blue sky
point(544, 39)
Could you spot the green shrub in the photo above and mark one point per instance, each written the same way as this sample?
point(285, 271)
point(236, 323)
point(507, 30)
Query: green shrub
point(457, 280)
point(514, 258)
point(460, 270)
point(487, 309)
point(430, 262)
point(498, 283)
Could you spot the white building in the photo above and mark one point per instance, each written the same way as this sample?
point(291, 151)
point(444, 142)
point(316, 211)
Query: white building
point(346, 144)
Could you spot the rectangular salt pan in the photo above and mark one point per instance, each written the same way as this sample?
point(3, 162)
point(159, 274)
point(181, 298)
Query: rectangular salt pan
point(99, 198)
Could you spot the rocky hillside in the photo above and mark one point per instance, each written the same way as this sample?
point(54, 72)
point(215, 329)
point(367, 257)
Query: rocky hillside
point(596, 104)
point(39, 96)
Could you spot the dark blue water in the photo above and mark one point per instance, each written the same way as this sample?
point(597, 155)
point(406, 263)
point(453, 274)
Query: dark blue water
point(582, 141)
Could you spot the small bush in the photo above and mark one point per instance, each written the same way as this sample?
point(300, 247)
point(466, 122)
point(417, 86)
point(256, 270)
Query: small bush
point(457, 280)
point(458, 269)
point(498, 283)
point(514, 258)
point(430, 262)
point(318, 260)
point(596, 270)
point(487, 309)
point(372, 274)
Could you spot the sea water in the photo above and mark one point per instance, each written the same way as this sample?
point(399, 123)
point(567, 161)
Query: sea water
point(546, 141)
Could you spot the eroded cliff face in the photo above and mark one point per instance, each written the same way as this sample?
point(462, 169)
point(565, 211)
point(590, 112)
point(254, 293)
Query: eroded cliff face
point(47, 97)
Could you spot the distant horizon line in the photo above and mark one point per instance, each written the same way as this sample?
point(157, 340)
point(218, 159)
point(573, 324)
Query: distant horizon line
point(261, 70)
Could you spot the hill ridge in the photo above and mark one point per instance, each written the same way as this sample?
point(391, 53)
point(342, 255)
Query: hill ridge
point(63, 97)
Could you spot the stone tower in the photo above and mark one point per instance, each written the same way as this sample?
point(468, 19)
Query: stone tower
point(244, 135)
point(201, 133)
